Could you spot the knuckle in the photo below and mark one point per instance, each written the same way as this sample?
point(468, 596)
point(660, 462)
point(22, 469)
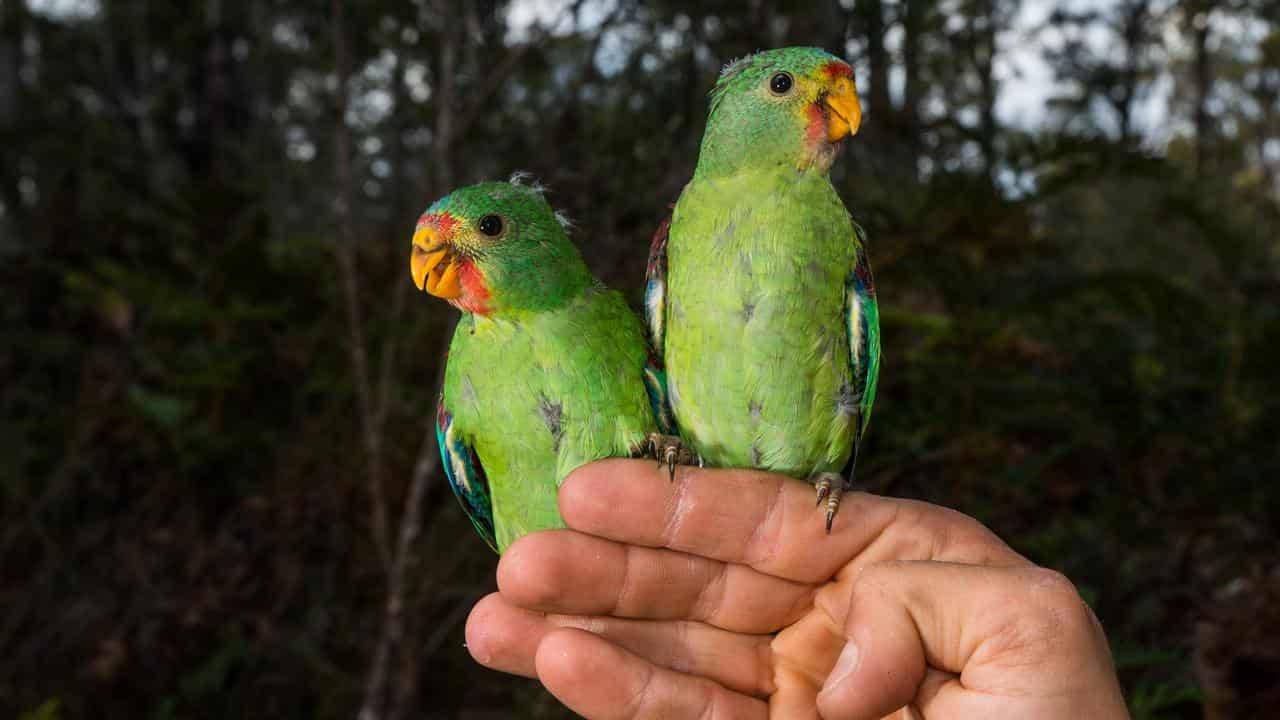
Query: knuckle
point(960, 535)
point(876, 576)
point(1048, 620)
point(643, 702)
point(1055, 590)
point(680, 506)
point(678, 654)
point(765, 681)
point(766, 539)
point(708, 603)
point(708, 706)
point(872, 585)
point(628, 586)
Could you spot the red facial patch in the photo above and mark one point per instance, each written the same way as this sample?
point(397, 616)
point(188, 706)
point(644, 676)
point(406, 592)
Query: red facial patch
point(444, 223)
point(475, 294)
point(835, 69)
point(815, 130)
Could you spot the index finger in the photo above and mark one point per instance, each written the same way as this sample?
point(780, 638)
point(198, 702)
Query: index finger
point(767, 521)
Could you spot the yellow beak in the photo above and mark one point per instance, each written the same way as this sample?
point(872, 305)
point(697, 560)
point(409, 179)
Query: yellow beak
point(434, 265)
point(844, 112)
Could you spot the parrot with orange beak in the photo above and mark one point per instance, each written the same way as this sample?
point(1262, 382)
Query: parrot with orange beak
point(759, 295)
point(547, 370)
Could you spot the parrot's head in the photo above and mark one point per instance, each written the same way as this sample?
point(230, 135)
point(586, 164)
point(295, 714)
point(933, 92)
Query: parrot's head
point(496, 247)
point(790, 107)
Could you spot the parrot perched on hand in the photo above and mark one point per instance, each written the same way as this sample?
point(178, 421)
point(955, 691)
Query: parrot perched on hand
point(547, 370)
point(759, 295)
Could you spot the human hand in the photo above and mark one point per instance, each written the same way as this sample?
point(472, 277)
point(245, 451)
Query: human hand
point(720, 595)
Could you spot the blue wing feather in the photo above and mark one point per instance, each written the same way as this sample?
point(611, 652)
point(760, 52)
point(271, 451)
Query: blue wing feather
point(466, 475)
point(655, 288)
point(655, 308)
point(863, 318)
point(655, 382)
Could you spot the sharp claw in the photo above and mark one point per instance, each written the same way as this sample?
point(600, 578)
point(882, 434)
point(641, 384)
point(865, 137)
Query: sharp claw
point(669, 451)
point(830, 489)
point(823, 486)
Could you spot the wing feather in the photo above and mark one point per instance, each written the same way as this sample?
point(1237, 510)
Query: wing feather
point(655, 383)
point(863, 318)
point(655, 314)
point(465, 474)
point(655, 288)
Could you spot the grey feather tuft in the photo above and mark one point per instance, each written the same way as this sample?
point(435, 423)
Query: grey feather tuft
point(526, 178)
point(735, 66)
point(731, 70)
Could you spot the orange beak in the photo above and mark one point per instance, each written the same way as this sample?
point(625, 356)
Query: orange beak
point(844, 112)
point(434, 264)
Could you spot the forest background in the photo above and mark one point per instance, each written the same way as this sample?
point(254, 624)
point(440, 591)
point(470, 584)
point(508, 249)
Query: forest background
point(219, 495)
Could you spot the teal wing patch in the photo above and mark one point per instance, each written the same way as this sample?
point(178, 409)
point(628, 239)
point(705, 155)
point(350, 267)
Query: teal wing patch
point(655, 314)
point(466, 475)
point(655, 288)
point(655, 383)
point(863, 318)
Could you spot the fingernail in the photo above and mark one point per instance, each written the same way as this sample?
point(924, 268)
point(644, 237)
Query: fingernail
point(847, 663)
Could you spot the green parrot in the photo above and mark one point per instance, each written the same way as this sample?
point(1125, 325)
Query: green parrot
point(759, 295)
point(547, 370)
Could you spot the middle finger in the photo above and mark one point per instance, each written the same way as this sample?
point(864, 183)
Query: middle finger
point(505, 637)
point(564, 571)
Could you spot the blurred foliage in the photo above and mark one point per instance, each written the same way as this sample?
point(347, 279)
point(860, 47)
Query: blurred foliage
point(1081, 320)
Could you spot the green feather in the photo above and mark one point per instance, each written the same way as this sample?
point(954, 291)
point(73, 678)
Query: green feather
point(757, 351)
point(541, 394)
point(769, 322)
point(551, 378)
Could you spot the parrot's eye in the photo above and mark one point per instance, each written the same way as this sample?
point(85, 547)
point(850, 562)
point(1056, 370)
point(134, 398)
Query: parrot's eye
point(780, 83)
point(490, 225)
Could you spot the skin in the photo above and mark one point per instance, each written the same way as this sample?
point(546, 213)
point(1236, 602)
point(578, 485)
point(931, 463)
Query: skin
point(662, 601)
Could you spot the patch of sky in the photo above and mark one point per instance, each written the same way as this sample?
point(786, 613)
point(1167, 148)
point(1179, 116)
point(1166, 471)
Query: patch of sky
point(64, 10)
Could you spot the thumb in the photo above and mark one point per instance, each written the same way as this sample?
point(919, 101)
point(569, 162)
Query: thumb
point(963, 640)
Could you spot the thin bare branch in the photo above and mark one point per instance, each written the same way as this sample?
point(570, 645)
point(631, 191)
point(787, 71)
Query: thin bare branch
point(345, 252)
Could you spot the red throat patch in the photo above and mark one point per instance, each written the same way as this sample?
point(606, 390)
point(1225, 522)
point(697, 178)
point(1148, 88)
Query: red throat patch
point(815, 131)
point(475, 294)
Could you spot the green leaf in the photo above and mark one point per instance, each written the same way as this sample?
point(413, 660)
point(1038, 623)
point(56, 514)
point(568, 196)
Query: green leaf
point(167, 411)
point(50, 709)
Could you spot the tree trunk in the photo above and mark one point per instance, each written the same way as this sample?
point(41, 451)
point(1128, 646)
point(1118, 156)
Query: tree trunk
point(446, 71)
point(869, 16)
point(984, 53)
point(1203, 85)
point(1133, 31)
point(909, 116)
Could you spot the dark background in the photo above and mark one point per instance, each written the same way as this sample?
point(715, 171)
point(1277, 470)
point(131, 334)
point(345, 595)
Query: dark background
point(218, 497)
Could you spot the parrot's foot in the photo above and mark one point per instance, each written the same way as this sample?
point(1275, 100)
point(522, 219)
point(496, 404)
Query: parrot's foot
point(670, 450)
point(829, 486)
